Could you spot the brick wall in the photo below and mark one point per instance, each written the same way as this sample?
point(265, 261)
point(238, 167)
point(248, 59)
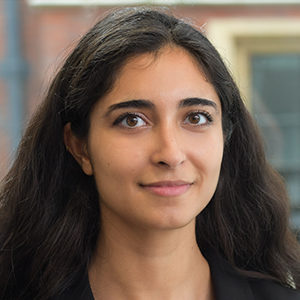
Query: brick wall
point(49, 33)
point(4, 137)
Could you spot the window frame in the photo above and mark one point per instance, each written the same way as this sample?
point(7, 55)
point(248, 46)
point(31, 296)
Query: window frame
point(157, 2)
point(237, 40)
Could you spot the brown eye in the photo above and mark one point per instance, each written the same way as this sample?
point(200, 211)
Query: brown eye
point(196, 118)
point(130, 121)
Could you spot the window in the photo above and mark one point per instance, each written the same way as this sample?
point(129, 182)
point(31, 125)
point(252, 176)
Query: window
point(160, 2)
point(276, 107)
point(265, 58)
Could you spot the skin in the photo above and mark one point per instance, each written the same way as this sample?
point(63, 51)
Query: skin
point(156, 170)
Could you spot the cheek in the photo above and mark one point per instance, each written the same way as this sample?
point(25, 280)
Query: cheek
point(207, 151)
point(116, 160)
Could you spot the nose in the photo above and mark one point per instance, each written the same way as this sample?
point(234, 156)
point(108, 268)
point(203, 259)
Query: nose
point(168, 149)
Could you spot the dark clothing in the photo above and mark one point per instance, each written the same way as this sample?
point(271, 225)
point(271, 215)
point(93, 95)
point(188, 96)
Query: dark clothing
point(227, 282)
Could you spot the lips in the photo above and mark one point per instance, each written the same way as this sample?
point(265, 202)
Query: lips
point(167, 188)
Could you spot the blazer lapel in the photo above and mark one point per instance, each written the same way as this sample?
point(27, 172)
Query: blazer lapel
point(227, 283)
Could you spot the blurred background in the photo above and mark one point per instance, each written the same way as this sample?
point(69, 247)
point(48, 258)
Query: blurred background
point(259, 40)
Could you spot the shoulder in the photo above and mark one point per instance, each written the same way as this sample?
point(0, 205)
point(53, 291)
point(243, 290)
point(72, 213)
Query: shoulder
point(229, 284)
point(266, 289)
point(80, 290)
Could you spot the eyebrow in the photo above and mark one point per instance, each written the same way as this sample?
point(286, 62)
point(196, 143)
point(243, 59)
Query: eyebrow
point(197, 101)
point(141, 103)
point(130, 104)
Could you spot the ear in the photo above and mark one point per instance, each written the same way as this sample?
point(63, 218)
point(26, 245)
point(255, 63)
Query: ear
point(78, 149)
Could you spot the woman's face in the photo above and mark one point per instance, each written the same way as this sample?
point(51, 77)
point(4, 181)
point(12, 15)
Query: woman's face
point(155, 143)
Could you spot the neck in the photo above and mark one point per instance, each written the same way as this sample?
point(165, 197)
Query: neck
point(141, 264)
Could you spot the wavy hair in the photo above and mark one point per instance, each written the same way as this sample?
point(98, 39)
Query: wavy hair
point(50, 218)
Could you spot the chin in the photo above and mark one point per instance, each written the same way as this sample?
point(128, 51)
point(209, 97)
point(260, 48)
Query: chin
point(172, 221)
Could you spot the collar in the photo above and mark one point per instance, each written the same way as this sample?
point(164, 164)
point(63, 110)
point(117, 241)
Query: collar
point(227, 282)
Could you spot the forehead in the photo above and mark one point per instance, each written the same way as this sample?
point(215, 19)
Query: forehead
point(169, 58)
point(171, 74)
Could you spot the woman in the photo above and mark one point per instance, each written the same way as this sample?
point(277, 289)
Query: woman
point(142, 176)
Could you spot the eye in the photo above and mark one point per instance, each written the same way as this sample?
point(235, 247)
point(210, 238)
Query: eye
point(198, 118)
point(130, 120)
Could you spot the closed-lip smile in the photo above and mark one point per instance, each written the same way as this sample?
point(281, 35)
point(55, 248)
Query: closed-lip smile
point(169, 188)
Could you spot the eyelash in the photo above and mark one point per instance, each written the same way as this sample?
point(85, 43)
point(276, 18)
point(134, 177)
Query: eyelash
point(122, 117)
point(207, 115)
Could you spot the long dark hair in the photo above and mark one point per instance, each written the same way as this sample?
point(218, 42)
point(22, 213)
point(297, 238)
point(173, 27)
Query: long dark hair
point(50, 219)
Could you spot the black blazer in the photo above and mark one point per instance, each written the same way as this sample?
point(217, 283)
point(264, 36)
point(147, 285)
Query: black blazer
point(228, 285)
